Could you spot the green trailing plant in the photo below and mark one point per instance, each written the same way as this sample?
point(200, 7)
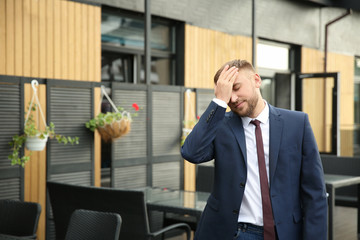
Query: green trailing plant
point(31, 130)
point(103, 119)
point(112, 125)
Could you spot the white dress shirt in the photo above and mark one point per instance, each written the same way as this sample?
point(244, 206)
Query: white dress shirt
point(251, 206)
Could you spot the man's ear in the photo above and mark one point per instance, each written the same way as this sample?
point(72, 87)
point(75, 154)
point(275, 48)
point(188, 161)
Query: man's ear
point(257, 80)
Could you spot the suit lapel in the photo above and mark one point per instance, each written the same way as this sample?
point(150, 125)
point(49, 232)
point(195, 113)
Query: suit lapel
point(238, 130)
point(276, 128)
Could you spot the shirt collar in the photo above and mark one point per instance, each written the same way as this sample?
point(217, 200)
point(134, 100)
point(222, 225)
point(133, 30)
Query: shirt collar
point(263, 117)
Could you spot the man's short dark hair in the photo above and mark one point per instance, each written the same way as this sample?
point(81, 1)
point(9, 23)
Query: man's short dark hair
point(238, 63)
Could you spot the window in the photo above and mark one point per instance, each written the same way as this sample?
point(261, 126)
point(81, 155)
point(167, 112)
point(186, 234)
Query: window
point(275, 63)
point(273, 56)
point(123, 58)
point(122, 36)
point(129, 32)
point(357, 107)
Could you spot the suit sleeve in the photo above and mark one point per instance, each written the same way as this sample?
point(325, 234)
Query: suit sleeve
point(198, 146)
point(313, 191)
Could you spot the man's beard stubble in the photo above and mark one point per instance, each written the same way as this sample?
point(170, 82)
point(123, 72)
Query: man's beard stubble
point(251, 105)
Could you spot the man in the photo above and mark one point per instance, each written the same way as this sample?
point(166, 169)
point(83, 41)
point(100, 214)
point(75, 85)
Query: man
point(269, 181)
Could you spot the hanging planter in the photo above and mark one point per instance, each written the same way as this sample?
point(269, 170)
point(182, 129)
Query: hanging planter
point(115, 129)
point(112, 125)
point(36, 143)
point(33, 137)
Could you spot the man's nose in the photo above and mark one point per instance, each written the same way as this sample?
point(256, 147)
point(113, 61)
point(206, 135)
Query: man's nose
point(233, 97)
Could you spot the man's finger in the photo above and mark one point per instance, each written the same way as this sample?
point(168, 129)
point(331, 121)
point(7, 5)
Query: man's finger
point(231, 74)
point(233, 77)
point(227, 74)
point(225, 69)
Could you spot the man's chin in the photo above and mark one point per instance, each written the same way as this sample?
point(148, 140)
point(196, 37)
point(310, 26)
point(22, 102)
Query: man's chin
point(241, 112)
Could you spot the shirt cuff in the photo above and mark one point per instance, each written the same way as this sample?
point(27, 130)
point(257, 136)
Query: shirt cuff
point(219, 102)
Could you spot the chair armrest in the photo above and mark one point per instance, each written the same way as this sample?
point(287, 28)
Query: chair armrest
point(173, 226)
point(13, 237)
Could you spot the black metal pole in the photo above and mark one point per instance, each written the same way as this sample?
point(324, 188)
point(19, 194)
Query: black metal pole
point(147, 41)
point(253, 34)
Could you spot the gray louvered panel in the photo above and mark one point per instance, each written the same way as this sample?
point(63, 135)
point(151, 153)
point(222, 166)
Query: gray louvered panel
point(130, 177)
point(9, 92)
point(70, 153)
point(166, 175)
point(8, 124)
point(10, 188)
point(70, 105)
point(78, 93)
point(133, 145)
point(9, 120)
point(50, 230)
point(77, 178)
point(166, 123)
point(62, 154)
point(203, 100)
point(70, 109)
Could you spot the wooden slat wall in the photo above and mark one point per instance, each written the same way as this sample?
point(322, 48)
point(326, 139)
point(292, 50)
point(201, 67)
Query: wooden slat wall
point(54, 39)
point(312, 61)
point(35, 170)
point(345, 65)
point(320, 113)
point(97, 140)
point(189, 114)
point(50, 39)
point(205, 52)
point(2, 36)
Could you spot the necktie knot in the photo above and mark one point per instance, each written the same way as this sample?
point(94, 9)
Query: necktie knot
point(255, 122)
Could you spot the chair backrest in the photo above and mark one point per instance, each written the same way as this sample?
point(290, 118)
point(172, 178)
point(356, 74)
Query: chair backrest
point(204, 178)
point(93, 225)
point(66, 198)
point(19, 218)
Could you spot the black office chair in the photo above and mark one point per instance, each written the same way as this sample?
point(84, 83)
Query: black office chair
point(93, 225)
point(130, 204)
point(18, 218)
point(205, 178)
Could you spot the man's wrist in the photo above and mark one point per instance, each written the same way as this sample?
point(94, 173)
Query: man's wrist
point(220, 102)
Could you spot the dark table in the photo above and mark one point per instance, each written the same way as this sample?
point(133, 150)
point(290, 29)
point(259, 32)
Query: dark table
point(176, 201)
point(332, 183)
point(193, 203)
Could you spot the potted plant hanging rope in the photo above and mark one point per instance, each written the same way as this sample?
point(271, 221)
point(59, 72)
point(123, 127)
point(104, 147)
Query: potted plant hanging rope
point(112, 125)
point(35, 139)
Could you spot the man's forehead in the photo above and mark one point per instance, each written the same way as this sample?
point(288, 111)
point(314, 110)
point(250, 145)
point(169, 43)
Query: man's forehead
point(243, 75)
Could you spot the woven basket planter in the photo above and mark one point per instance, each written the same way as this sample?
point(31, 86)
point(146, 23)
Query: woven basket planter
point(115, 130)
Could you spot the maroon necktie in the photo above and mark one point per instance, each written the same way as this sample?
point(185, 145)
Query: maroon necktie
point(269, 229)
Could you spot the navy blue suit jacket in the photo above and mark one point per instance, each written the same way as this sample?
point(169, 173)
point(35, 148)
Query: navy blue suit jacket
point(297, 188)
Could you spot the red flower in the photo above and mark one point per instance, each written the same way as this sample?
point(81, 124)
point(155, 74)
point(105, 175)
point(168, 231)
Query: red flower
point(198, 117)
point(135, 106)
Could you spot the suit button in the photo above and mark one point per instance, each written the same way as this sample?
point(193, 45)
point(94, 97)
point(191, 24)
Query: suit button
point(235, 211)
point(242, 185)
